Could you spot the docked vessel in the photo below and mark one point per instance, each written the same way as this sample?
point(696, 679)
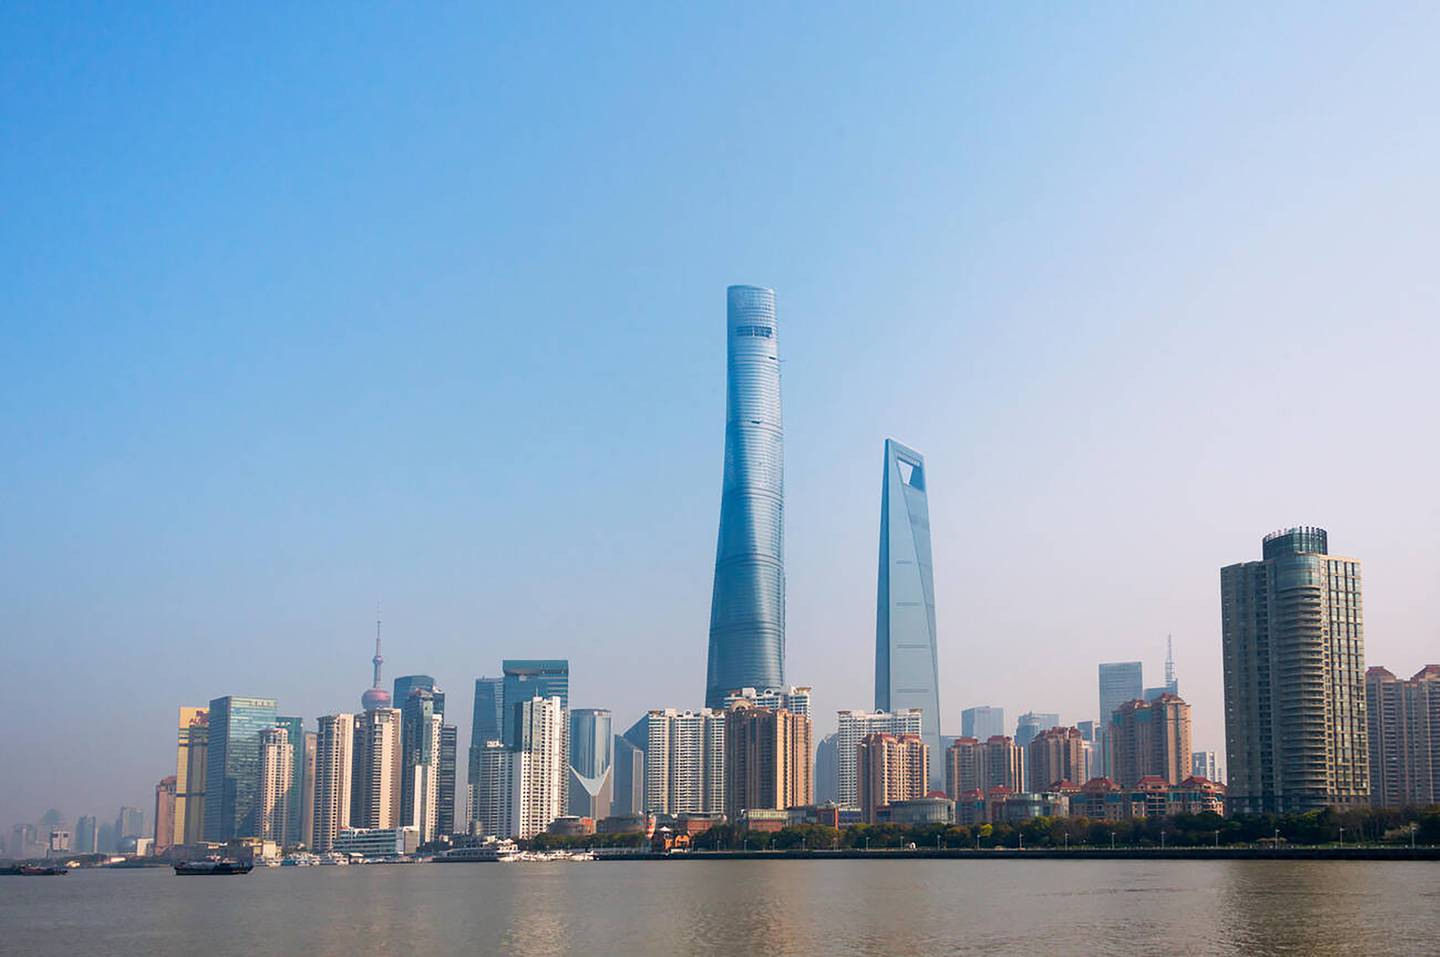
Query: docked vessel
point(32, 870)
point(214, 865)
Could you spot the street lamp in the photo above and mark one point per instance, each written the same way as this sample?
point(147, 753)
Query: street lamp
point(1217, 838)
point(867, 842)
point(1342, 837)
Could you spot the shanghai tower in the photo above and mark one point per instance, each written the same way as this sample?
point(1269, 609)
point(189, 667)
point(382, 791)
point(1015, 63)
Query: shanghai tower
point(747, 608)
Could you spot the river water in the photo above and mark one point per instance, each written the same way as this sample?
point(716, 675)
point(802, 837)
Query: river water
point(861, 908)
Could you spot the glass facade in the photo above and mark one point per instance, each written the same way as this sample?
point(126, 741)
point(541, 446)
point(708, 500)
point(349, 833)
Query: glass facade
point(907, 661)
point(408, 683)
point(295, 737)
point(982, 722)
point(487, 723)
point(525, 679)
point(416, 745)
point(592, 743)
point(232, 771)
point(747, 606)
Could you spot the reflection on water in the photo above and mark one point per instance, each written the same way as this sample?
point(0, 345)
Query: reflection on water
point(846, 908)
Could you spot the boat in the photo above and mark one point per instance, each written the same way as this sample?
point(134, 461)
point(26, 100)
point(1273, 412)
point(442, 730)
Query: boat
point(214, 865)
point(36, 870)
point(502, 851)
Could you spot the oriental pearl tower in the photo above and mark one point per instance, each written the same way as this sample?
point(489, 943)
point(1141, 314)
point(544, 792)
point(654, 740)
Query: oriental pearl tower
point(375, 696)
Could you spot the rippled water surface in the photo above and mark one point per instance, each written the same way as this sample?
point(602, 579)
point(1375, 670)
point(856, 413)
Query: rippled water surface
point(736, 907)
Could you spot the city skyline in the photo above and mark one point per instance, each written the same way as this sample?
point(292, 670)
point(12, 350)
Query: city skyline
point(468, 367)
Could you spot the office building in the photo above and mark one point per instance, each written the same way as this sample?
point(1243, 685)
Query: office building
point(540, 767)
point(891, 768)
point(590, 779)
point(855, 726)
point(164, 815)
point(1150, 739)
point(1294, 668)
point(1404, 737)
point(767, 760)
point(684, 761)
point(423, 796)
point(1053, 757)
point(416, 739)
point(531, 678)
point(629, 778)
point(277, 779)
point(747, 608)
point(129, 823)
point(58, 844)
point(495, 790)
point(1206, 764)
point(375, 795)
point(982, 722)
point(87, 835)
point(334, 768)
point(1032, 723)
point(827, 769)
point(1120, 681)
point(232, 767)
point(190, 761)
point(407, 683)
point(907, 662)
point(445, 818)
point(487, 722)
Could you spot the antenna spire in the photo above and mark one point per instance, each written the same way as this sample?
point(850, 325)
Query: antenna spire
point(1170, 661)
point(379, 659)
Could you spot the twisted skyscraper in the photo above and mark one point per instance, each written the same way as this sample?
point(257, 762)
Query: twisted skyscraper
point(747, 609)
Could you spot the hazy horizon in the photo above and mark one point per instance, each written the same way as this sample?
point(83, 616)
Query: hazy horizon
point(318, 309)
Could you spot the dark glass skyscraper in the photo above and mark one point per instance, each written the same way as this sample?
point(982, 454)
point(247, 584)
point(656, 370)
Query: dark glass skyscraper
point(591, 772)
point(907, 662)
point(526, 678)
point(232, 767)
point(408, 683)
point(487, 722)
point(747, 607)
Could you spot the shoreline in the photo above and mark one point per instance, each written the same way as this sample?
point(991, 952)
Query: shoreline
point(1054, 853)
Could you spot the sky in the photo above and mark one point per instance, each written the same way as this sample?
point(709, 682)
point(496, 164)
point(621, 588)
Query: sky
point(314, 308)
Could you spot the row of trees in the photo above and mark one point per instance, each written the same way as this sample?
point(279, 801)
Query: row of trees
point(1365, 825)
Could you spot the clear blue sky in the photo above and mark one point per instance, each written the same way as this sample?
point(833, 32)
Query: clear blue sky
point(309, 308)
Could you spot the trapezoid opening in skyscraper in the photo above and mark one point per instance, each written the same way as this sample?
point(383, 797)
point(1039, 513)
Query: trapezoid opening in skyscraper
point(907, 662)
point(747, 607)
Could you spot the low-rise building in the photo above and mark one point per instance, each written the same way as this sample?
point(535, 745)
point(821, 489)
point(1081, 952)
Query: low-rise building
point(571, 825)
point(926, 810)
point(377, 841)
point(764, 819)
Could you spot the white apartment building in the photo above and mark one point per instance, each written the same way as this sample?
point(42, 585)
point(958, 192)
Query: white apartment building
point(854, 726)
point(334, 759)
point(795, 699)
point(494, 792)
point(376, 798)
point(277, 764)
point(685, 761)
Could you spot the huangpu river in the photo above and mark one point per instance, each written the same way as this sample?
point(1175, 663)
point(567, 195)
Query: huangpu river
point(772, 908)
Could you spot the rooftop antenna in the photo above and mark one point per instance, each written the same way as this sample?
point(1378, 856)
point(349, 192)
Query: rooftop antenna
point(1169, 660)
point(379, 659)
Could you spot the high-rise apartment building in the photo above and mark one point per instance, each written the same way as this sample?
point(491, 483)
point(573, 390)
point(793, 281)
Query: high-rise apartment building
point(590, 778)
point(1150, 739)
point(1404, 737)
point(494, 794)
point(308, 754)
point(232, 770)
point(531, 678)
point(891, 768)
point(907, 661)
point(767, 760)
point(427, 732)
point(982, 722)
point(1120, 681)
point(684, 761)
point(540, 733)
point(1055, 755)
point(747, 608)
point(855, 726)
point(1032, 723)
point(795, 699)
point(964, 770)
point(1206, 764)
point(164, 815)
point(1294, 666)
point(190, 761)
point(277, 779)
point(1002, 763)
point(295, 736)
point(334, 768)
point(375, 794)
